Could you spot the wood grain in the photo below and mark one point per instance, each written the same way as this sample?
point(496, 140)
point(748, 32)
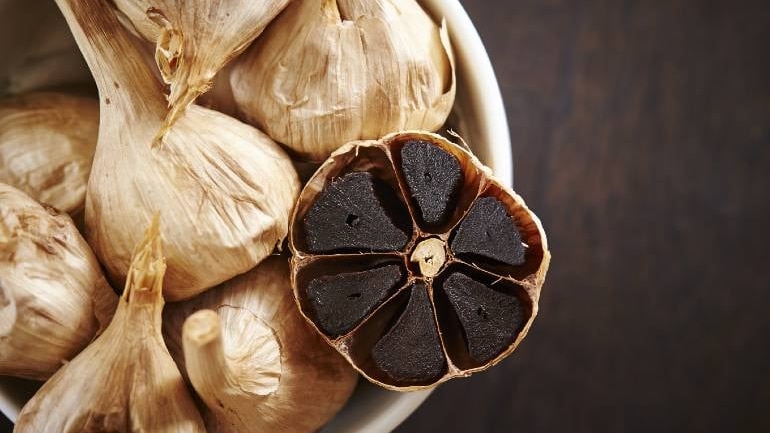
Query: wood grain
point(641, 134)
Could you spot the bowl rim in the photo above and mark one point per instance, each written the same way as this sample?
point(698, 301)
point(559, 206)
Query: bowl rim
point(482, 95)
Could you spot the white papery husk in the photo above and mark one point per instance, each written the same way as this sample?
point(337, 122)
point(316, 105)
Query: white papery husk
point(224, 189)
point(125, 381)
point(252, 358)
point(194, 39)
point(327, 72)
point(53, 296)
point(47, 142)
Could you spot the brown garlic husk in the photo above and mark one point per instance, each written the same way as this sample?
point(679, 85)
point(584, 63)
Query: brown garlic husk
point(223, 188)
point(194, 40)
point(47, 143)
point(424, 270)
point(53, 296)
point(327, 72)
point(125, 380)
point(252, 358)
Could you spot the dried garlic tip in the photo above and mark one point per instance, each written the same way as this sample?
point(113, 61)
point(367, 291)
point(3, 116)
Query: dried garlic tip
point(125, 381)
point(53, 296)
point(47, 142)
point(253, 359)
point(414, 262)
point(195, 39)
point(328, 72)
point(223, 188)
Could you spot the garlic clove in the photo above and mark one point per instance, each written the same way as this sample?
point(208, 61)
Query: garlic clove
point(223, 188)
point(47, 142)
point(252, 358)
point(53, 296)
point(356, 70)
point(119, 382)
point(194, 40)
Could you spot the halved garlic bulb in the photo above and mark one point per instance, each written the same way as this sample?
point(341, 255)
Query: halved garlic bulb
point(47, 142)
point(53, 296)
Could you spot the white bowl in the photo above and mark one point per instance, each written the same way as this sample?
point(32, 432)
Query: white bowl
point(480, 119)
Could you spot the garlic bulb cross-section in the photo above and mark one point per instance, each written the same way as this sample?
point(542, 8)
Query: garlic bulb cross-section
point(195, 39)
point(53, 297)
point(125, 381)
point(224, 189)
point(253, 359)
point(47, 142)
point(327, 72)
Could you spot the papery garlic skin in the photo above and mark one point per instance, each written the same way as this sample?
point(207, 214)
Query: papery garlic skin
point(328, 72)
point(224, 189)
point(53, 296)
point(47, 143)
point(125, 381)
point(225, 193)
point(195, 39)
point(253, 359)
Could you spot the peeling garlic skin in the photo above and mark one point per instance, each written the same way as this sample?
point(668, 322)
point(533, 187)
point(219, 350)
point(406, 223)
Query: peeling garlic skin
point(53, 296)
point(47, 142)
point(328, 72)
point(252, 358)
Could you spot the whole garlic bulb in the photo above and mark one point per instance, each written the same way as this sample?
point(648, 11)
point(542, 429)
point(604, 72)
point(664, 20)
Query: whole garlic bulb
point(195, 39)
point(327, 72)
point(223, 188)
point(53, 297)
point(253, 359)
point(47, 142)
point(125, 380)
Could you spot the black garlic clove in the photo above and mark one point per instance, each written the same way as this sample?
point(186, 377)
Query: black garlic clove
point(357, 213)
point(433, 176)
point(411, 350)
point(342, 301)
point(490, 319)
point(488, 231)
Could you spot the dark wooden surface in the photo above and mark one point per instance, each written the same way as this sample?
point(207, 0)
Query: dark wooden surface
point(641, 134)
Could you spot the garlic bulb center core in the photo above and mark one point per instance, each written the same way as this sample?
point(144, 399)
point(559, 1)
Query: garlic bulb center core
point(430, 254)
point(252, 348)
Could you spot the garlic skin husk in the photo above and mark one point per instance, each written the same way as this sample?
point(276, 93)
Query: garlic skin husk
point(47, 142)
point(253, 359)
point(195, 39)
point(125, 381)
point(53, 296)
point(224, 189)
point(327, 72)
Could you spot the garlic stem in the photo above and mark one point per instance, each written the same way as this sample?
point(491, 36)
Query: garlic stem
point(144, 284)
point(214, 376)
point(253, 359)
point(113, 58)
